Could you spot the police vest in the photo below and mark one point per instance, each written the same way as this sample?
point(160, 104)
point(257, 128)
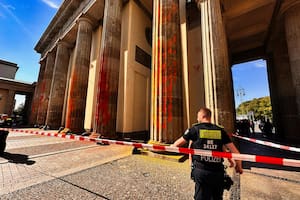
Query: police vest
point(209, 138)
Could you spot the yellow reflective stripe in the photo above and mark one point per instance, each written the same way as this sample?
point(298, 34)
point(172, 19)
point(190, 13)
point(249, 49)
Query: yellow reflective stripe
point(210, 134)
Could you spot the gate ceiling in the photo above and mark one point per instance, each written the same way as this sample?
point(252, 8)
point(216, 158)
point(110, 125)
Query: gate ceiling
point(248, 25)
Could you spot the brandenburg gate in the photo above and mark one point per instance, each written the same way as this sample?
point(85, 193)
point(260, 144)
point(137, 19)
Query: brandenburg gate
point(124, 67)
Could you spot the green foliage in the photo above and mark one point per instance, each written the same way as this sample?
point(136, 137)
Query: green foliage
point(261, 108)
point(20, 109)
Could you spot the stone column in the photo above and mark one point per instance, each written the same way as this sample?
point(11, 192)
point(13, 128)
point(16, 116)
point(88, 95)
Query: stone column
point(28, 103)
point(217, 72)
point(57, 94)
point(44, 89)
point(36, 97)
point(79, 77)
point(292, 30)
point(282, 90)
point(167, 97)
point(107, 94)
point(10, 102)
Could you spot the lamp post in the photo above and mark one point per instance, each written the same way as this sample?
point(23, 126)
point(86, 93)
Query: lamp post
point(241, 93)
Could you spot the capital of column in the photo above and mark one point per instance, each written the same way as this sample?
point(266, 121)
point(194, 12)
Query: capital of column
point(198, 2)
point(85, 19)
point(42, 60)
point(287, 5)
point(64, 43)
point(45, 56)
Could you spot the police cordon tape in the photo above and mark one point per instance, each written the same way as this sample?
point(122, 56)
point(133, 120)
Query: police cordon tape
point(266, 143)
point(235, 156)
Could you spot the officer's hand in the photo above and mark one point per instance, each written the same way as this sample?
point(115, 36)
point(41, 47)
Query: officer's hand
point(231, 163)
point(238, 166)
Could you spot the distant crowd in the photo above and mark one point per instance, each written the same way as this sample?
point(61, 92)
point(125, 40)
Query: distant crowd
point(11, 121)
point(246, 127)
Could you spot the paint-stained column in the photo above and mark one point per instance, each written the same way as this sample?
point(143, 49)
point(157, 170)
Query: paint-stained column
point(57, 94)
point(292, 30)
point(35, 102)
point(79, 77)
point(44, 89)
point(167, 97)
point(217, 72)
point(107, 94)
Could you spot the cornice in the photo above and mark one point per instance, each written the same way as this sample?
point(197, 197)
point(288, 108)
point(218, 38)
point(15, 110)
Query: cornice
point(56, 23)
point(63, 21)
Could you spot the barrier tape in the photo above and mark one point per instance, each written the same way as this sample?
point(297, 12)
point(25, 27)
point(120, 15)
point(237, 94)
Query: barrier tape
point(266, 143)
point(235, 156)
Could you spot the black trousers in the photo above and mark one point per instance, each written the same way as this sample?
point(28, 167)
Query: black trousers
point(3, 136)
point(208, 184)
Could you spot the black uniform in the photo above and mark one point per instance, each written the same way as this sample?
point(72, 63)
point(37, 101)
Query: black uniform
point(3, 136)
point(208, 172)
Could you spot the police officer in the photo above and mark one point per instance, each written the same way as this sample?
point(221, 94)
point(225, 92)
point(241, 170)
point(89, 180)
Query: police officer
point(208, 172)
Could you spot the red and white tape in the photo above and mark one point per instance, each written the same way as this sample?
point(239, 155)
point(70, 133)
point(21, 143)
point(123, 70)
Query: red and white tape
point(266, 143)
point(235, 156)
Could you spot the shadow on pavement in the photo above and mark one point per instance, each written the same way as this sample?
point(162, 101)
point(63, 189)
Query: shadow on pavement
point(17, 158)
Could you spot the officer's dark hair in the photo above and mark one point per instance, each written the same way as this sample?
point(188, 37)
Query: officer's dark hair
point(206, 112)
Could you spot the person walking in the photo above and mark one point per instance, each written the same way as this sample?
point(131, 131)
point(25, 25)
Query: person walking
point(267, 129)
point(208, 172)
point(252, 126)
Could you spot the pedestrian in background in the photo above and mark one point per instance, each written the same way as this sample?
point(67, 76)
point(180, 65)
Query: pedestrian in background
point(267, 129)
point(208, 172)
point(252, 126)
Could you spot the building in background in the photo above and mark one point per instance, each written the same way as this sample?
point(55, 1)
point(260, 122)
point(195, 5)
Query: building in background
point(9, 87)
point(145, 67)
point(8, 70)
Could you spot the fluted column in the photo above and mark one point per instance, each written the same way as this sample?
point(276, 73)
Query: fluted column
point(167, 97)
point(44, 89)
point(57, 94)
point(79, 77)
point(36, 97)
point(217, 72)
point(292, 29)
point(107, 94)
point(282, 90)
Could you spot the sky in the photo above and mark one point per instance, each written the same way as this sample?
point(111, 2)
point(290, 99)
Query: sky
point(22, 23)
point(251, 80)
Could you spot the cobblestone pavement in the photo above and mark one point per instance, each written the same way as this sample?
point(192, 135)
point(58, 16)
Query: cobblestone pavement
point(128, 178)
point(34, 159)
point(40, 167)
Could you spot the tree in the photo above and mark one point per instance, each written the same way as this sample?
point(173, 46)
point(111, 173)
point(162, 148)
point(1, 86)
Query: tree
point(20, 109)
point(261, 108)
